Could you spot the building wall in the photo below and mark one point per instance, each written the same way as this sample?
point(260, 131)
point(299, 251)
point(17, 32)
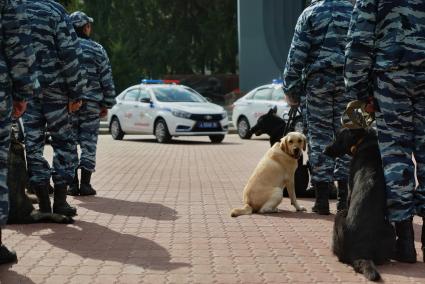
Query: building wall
point(265, 31)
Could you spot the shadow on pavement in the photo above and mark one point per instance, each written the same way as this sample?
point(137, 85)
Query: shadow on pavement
point(182, 142)
point(416, 270)
point(113, 206)
point(10, 276)
point(93, 241)
point(301, 215)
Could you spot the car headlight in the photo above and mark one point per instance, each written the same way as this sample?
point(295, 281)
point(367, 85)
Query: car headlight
point(224, 115)
point(180, 113)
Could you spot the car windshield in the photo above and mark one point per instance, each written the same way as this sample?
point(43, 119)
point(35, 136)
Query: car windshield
point(177, 94)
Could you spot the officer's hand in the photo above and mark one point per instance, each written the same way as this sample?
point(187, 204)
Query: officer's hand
point(291, 101)
point(370, 106)
point(103, 112)
point(74, 106)
point(19, 108)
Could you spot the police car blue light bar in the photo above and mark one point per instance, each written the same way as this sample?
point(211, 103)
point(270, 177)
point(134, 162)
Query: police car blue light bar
point(277, 81)
point(151, 81)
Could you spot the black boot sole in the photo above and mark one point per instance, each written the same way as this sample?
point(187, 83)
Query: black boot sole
point(66, 212)
point(87, 193)
point(9, 260)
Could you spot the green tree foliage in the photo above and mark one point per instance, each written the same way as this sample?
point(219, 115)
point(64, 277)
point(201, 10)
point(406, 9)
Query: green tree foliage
point(153, 38)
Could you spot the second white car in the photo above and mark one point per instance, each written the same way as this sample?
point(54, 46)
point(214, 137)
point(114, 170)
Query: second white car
point(255, 103)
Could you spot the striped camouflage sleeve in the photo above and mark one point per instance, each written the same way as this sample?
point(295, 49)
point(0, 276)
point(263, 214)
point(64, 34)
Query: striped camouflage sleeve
point(359, 55)
point(18, 52)
point(297, 56)
point(70, 53)
point(107, 82)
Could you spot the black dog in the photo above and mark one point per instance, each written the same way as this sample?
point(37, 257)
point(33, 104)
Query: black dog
point(362, 235)
point(21, 210)
point(274, 126)
point(270, 124)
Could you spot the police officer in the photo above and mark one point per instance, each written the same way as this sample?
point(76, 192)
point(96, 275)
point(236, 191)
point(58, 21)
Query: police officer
point(16, 85)
point(97, 98)
point(386, 68)
point(61, 79)
point(315, 67)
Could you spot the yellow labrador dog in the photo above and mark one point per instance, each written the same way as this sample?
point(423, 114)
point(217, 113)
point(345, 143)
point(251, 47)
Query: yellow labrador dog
point(275, 171)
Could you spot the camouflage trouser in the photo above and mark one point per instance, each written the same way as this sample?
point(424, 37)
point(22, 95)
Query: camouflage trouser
point(86, 125)
point(47, 114)
point(325, 103)
point(5, 123)
point(401, 132)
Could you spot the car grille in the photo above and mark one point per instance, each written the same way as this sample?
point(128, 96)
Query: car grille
point(206, 117)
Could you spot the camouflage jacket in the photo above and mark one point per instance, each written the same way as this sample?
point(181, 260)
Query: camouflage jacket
point(319, 42)
point(16, 56)
point(100, 85)
point(383, 36)
point(57, 49)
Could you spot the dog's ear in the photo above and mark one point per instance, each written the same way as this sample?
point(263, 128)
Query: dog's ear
point(304, 142)
point(284, 144)
point(272, 110)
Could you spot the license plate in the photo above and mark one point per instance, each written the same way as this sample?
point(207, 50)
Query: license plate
point(207, 124)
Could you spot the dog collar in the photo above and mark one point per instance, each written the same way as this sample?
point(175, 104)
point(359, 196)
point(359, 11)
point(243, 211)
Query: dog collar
point(353, 148)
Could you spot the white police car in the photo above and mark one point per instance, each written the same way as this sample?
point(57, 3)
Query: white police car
point(257, 102)
point(166, 109)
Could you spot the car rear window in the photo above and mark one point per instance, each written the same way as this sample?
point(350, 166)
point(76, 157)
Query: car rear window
point(177, 94)
point(262, 94)
point(277, 94)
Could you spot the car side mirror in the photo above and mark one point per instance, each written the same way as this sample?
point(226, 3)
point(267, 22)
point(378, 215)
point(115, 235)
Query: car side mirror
point(145, 100)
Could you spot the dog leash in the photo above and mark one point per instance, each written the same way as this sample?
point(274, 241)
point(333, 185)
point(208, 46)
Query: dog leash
point(355, 116)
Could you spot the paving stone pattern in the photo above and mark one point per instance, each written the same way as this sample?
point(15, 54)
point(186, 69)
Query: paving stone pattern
point(162, 216)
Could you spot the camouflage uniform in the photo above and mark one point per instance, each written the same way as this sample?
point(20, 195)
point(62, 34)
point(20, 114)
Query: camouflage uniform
point(58, 70)
point(315, 67)
point(100, 93)
point(16, 82)
point(386, 60)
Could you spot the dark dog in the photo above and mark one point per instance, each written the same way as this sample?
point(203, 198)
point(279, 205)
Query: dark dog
point(274, 126)
point(270, 124)
point(21, 209)
point(362, 235)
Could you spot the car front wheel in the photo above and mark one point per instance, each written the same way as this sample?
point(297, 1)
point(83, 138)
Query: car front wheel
point(216, 138)
point(243, 128)
point(161, 132)
point(116, 131)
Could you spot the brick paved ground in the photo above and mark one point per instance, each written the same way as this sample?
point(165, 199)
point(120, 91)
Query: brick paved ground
point(162, 216)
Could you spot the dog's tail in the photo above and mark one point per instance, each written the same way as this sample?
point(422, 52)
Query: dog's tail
point(367, 268)
point(246, 210)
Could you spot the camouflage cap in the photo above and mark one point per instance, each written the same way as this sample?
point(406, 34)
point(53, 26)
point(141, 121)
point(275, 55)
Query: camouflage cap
point(79, 19)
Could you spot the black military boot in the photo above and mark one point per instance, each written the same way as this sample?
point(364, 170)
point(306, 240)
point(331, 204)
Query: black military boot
point(405, 246)
point(74, 188)
point(6, 255)
point(85, 187)
point(42, 192)
point(60, 206)
point(342, 195)
point(423, 238)
point(321, 206)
